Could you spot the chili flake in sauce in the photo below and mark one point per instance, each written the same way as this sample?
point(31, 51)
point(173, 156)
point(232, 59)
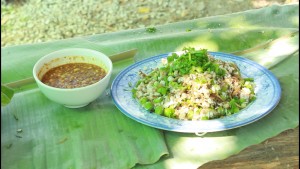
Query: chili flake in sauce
point(73, 75)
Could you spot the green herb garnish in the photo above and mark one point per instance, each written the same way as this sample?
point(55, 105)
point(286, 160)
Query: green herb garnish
point(151, 29)
point(193, 59)
point(194, 86)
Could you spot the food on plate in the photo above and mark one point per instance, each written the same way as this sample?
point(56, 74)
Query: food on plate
point(73, 75)
point(194, 85)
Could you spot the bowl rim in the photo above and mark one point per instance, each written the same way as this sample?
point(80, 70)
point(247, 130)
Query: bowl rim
point(35, 71)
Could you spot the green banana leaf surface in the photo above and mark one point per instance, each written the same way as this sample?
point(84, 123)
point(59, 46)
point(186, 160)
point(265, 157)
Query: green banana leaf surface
point(6, 94)
point(38, 133)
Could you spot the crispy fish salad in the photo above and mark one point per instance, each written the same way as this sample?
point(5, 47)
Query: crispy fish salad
point(194, 86)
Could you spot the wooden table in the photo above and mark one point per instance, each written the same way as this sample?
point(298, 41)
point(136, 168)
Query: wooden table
point(280, 152)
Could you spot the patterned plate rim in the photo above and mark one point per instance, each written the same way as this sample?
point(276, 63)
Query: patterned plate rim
point(184, 129)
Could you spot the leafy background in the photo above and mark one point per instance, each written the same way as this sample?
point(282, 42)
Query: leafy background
point(34, 21)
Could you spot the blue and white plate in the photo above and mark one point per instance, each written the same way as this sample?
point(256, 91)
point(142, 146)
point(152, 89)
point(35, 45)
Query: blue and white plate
point(268, 93)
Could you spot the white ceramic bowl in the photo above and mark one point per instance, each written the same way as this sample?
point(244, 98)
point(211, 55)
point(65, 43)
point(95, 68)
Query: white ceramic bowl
point(75, 97)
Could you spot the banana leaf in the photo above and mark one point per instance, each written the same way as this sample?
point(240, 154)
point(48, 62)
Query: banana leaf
point(6, 94)
point(100, 136)
point(38, 133)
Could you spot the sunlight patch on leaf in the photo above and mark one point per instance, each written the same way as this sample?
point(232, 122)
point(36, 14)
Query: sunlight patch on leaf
point(240, 22)
point(278, 50)
point(295, 20)
point(203, 42)
point(203, 148)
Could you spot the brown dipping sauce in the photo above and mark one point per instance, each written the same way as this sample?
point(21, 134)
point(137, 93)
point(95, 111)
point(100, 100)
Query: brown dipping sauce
point(73, 75)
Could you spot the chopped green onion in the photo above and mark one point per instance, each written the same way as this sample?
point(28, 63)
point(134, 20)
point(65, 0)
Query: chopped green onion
point(158, 100)
point(162, 90)
point(190, 114)
point(148, 106)
point(249, 79)
point(158, 110)
point(169, 112)
point(143, 100)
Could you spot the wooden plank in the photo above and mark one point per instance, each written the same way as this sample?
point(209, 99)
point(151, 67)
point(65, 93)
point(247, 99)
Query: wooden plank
point(280, 152)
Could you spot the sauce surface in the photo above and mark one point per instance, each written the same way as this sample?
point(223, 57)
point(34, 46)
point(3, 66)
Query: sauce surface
point(73, 75)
